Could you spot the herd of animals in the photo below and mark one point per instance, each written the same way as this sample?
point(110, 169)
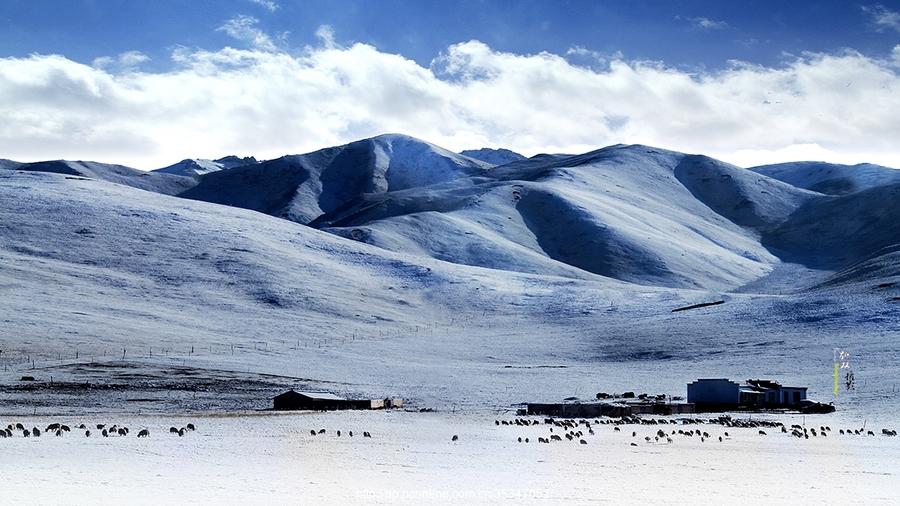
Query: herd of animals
point(103, 430)
point(578, 430)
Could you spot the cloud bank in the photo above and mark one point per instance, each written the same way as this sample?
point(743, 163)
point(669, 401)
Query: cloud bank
point(267, 101)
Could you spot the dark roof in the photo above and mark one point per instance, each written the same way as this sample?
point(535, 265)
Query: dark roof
point(319, 396)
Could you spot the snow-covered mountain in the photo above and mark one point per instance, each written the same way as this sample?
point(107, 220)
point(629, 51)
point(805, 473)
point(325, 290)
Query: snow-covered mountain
point(193, 167)
point(169, 184)
point(830, 178)
point(8, 164)
point(304, 187)
point(493, 156)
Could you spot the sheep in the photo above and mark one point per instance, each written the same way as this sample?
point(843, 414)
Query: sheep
point(181, 432)
point(144, 433)
point(350, 433)
point(762, 433)
point(633, 444)
point(19, 426)
point(582, 441)
point(26, 433)
point(173, 430)
point(52, 427)
point(105, 433)
point(454, 438)
point(87, 433)
point(100, 426)
point(366, 434)
point(65, 428)
point(311, 433)
point(520, 439)
point(338, 433)
point(191, 427)
point(616, 429)
point(321, 431)
point(36, 432)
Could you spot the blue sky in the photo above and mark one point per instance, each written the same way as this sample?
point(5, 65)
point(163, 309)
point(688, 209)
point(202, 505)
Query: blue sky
point(670, 31)
point(149, 82)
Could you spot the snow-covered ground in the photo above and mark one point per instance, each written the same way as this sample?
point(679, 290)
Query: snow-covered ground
point(410, 459)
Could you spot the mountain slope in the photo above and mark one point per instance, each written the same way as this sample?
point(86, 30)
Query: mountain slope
point(301, 188)
point(830, 178)
point(168, 184)
point(493, 156)
point(8, 164)
point(631, 213)
point(193, 167)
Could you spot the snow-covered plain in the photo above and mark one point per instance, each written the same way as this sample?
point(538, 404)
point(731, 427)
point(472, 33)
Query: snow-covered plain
point(410, 459)
point(468, 288)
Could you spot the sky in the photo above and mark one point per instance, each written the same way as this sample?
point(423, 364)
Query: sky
point(149, 83)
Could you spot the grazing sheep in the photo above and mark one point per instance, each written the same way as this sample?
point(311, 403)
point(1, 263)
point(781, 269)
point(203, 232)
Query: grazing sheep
point(350, 433)
point(52, 427)
point(181, 432)
point(616, 429)
point(65, 428)
point(190, 426)
point(366, 434)
point(496, 422)
point(100, 426)
point(526, 439)
point(763, 433)
point(173, 430)
point(105, 433)
point(2, 434)
point(87, 433)
point(26, 433)
point(36, 432)
point(582, 441)
point(144, 433)
point(59, 432)
point(339, 433)
point(311, 433)
point(841, 431)
point(870, 433)
point(321, 431)
point(19, 426)
point(82, 427)
point(454, 438)
point(520, 440)
point(720, 439)
point(633, 444)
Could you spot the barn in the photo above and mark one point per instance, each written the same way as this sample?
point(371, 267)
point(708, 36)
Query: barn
point(324, 401)
point(317, 401)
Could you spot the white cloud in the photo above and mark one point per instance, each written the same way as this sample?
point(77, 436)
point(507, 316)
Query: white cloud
point(268, 102)
point(126, 60)
point(269, 5)
point(325, 34)
point(703, 23)
point(882, 17)
point(243, 28)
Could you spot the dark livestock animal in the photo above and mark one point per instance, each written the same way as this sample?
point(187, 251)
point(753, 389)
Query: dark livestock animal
point(144, 433)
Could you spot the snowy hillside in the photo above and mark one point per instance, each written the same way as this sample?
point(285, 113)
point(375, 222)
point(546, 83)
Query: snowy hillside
point(98, 270)
point(829, 178)
point(8, 164)
point(303, 187)
point(631, 213)
point(493, 156)
point(169, 184)
point(193, 167)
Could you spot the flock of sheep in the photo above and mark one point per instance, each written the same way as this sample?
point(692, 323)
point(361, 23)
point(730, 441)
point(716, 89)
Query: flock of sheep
point(578, 430)
point(104, 430)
